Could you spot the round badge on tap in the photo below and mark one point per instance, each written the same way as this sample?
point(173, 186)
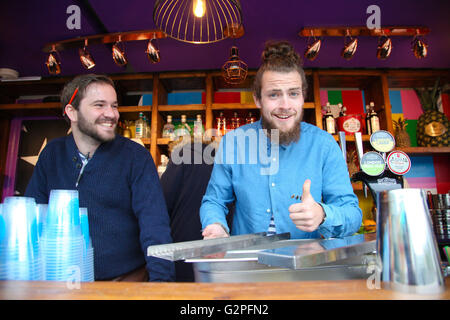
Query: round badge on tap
point(382, 141)
point(398, 162)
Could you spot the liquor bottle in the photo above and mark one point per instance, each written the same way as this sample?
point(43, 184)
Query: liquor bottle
point(368, 127)
point(342, 110)
point(126, 132)
point(163, 166)
point(183, 129)
point(330, 124)
point(233, 121)
point(250, 118)
point(199, 130)
point(237, 119)
point(221, 125)
point(140, 126)
point(169, 129)
point(374, 120)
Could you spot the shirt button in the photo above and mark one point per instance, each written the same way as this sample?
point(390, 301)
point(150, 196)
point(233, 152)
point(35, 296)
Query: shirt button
point(274, 159)
point(74, 159)
point(78, 165)
point(273, 184)
point(268, 210)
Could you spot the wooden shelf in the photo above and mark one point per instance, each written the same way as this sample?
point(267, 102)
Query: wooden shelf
point(185, 107)
point(135, 109)
point(351, 137)
point(162, 141)
point(29, 106)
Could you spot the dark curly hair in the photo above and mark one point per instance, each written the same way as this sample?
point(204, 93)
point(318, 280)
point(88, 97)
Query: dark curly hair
point(279, 57)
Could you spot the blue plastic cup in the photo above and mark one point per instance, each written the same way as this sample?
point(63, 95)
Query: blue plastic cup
point(63, 214)
point(41, 216)
point(20, 255)
point(20, 225)
point(2, 224)
point(84, 221)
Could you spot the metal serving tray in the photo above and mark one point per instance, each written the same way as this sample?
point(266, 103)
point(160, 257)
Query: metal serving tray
point(242, 265)
point(318, 252)
point(198, 248)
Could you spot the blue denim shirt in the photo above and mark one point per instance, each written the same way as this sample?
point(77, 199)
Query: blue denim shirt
point(262, 177)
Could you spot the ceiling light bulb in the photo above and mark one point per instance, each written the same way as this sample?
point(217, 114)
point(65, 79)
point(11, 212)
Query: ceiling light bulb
point(199, 8)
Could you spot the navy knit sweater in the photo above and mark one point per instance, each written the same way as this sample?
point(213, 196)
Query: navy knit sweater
point(126, 207)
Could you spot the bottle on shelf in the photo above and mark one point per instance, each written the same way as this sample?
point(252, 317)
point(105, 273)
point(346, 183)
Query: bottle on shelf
point(329, 121)
point(221, 125)
point(368, 128)
point(199, 130)
point(163, 166)
point(342, 110)
point(183, 129)
point(374, 120)
point(140, 126)
point(235, 121)
point(169, 129)
point(250, 118)
point(126, 131)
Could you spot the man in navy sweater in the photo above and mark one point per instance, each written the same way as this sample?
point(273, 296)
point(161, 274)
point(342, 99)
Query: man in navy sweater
point(116, 179)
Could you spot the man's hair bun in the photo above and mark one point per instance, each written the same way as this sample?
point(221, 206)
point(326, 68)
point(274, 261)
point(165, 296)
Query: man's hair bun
point(280, 51)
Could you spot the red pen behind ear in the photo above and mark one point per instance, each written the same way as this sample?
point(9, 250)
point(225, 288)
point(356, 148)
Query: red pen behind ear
point(71, 99)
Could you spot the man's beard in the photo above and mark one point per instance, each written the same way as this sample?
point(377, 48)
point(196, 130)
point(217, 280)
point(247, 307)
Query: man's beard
point(284, 137)
point(89, 130)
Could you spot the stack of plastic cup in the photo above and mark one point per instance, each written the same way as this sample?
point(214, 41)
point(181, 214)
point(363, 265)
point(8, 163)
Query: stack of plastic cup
point(41, 216)
point(87, 272)
point(62, 241)
point(20, 254)
point(2, 224)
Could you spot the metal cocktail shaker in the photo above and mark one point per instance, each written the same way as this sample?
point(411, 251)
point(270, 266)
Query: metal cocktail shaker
point(406, 244)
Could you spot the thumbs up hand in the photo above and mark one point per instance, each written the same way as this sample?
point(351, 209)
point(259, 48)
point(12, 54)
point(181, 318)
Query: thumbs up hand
point(308, 214)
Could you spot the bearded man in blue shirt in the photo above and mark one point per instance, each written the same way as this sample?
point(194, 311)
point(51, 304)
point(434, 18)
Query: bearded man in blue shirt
point(261, 165)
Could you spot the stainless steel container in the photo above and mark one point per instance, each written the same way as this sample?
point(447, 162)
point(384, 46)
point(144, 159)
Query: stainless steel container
point(406, 243)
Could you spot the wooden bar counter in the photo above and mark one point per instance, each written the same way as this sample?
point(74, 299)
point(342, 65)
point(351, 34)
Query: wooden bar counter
point(308, 290)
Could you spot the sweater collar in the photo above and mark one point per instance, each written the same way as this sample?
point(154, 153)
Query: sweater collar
point(99, 155)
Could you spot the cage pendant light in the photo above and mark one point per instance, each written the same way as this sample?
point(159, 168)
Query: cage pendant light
point(197, 21)
point(234, 71)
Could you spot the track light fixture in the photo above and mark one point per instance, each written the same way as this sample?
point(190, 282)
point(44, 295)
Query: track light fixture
point(312, 50)
point(419, 47)
point(350, 46)
point(152, 51)
point(85, 57)
point(118, 53)
point(384, 47)
point(53, 61)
